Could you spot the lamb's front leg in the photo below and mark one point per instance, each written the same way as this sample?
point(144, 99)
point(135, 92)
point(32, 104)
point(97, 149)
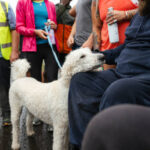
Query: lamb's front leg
point(60, 137)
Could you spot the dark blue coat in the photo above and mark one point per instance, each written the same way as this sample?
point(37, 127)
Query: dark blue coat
point(133, 57)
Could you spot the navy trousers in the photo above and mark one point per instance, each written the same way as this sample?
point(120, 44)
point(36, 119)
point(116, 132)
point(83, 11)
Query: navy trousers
point(4, 86)
point(91, 92)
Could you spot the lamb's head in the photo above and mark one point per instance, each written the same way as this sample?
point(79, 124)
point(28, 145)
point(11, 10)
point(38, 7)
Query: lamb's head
point(81, 60)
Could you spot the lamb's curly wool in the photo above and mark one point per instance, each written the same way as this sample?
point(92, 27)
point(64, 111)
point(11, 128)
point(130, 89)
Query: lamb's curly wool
point(47, 101)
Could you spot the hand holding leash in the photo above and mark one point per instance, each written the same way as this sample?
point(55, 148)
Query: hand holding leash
point(47, 29)
point(41, 34)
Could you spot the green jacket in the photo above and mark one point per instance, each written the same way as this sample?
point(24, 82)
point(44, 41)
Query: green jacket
point(63, 16)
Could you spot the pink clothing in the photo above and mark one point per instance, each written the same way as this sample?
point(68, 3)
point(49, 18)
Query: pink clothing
point(25, 23)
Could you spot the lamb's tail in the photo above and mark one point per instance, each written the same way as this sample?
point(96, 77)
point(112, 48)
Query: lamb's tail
point(19, 68)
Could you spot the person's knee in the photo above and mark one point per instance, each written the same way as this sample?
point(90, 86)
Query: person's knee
point(121, 91)
point(77, 79)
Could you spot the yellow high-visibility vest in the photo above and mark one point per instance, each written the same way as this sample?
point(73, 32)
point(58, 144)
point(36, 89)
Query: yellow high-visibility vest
point(5, 33)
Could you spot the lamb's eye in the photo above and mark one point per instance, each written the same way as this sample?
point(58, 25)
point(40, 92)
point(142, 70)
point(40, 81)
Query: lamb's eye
point(82, 56)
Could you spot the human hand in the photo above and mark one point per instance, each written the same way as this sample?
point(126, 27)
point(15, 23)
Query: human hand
point(41, 34)
point(52, 24)
point(88, 44)
point(65, 2)
point(14, 55)
point(70, 41)
point(115, 16)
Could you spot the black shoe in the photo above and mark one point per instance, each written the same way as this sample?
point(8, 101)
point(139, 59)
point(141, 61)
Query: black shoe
point(6, 121)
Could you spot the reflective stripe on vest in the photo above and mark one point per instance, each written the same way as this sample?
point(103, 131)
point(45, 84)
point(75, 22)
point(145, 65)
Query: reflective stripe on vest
point(5, 34)
point(6, 45)
point(4, 24)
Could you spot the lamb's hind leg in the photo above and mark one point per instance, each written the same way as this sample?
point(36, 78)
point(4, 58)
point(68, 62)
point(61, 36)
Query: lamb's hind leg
point(60, 137)
point(29, 126)
point(15, 119)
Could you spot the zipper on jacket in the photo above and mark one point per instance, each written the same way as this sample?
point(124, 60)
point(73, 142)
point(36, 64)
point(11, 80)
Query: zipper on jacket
point(63, 35)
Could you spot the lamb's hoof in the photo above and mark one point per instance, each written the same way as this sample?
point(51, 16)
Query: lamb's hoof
point(31, 133)
point(15, 146)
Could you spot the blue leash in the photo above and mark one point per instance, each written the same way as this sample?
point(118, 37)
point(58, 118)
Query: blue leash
point(47, 28)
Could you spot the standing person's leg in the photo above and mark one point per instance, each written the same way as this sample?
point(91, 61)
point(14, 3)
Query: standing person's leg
point(4, 90)
point(122, 127)
point(35, 60)
point(62, 57)
point(129, 90)
point(51, 67)
point(85, 94)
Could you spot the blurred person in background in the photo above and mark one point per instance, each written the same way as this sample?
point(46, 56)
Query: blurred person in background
point(80, 35)
point(64, 26)
point(123, 12)
point(9, 51)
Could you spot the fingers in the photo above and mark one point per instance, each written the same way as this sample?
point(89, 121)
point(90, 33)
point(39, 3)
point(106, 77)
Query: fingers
point(70, 41)
point(44, 32)
point(47, 23)
point(44, 35)
point(14, 56)
point(115, 16)
point(111, 18)
point(52, 24)
point(111, 21)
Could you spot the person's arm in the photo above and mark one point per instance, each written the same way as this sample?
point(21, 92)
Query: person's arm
point(20, 21)
point(118, 16)
point(65, 2)
point(15, 45)
point(70, 40)
point(96, 24)
point(94, 38)
point(21, 25)
point(53, 23)
point(14, 34)
point(89, 42)
point(72, 11)
point(112, 54)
